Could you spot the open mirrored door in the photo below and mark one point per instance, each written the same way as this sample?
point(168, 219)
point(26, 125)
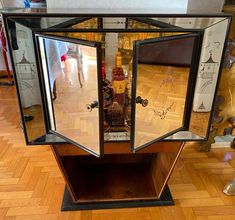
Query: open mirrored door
point(164, 72)
point(73, 93)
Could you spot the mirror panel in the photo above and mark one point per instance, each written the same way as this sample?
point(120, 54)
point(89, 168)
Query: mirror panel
point(26, 77)
point(163, 79)
point(207, 77)
point(73, 94)
point(190, 22)
point(117, 36)
point(56, 22)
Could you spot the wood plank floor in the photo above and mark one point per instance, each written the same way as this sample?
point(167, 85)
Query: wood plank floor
point(31, 185)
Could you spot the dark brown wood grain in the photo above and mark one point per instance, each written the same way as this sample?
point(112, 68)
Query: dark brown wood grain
point(118, 148)
point(119, 175)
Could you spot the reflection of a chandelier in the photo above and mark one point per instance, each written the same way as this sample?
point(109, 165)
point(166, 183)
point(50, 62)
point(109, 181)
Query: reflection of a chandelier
point(25, 68)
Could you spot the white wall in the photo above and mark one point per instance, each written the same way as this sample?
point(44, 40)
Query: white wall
point(215, 5)
point(151, 4)
point(12, 3)
point(198, 5)
point(209, 5)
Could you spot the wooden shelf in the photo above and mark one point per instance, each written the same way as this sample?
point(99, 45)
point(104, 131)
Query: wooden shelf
point(118, 177)
point(111, 178)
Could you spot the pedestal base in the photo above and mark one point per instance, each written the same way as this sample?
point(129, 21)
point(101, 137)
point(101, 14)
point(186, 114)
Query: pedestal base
point(68, 204)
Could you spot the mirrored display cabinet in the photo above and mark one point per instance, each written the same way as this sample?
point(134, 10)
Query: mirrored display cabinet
point(116, 93)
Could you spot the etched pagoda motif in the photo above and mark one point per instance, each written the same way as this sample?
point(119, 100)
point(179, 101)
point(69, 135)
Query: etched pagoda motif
point(207, 72)
point(202, 106)
point(26, 71)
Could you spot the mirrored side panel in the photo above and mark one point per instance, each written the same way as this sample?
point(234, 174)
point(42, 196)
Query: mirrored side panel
point(208, 74)
point(52, 23)
point(73, 97)
point(164, 76)
point(190, 22)
point(207, 77)
point(27, 81)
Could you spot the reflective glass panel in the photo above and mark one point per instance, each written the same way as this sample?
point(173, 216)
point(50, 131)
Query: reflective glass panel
point(163, 72)
point(73, 90)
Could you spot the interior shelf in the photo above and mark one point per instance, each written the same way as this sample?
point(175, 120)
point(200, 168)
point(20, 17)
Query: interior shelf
point(111, 178)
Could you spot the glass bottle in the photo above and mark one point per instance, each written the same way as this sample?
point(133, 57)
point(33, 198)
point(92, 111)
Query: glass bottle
point(119, 82)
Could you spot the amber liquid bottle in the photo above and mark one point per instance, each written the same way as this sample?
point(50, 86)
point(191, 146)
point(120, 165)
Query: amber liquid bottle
point(119, 82)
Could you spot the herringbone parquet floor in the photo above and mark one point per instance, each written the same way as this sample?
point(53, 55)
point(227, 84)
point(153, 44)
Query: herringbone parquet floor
point(31, 185)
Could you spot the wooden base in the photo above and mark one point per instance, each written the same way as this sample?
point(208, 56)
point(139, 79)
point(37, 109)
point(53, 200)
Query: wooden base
point(68, 204)
point(119, 178)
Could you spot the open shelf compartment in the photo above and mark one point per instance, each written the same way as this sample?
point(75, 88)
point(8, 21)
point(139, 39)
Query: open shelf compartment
point(114, 177)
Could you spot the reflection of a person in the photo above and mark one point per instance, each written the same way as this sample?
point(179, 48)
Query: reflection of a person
point(75, 51)
point(54, 51)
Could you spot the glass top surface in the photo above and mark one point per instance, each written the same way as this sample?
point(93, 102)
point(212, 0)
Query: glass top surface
point(110, 11)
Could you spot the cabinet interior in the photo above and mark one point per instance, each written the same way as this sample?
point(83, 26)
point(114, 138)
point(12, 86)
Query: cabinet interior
point(113, 177)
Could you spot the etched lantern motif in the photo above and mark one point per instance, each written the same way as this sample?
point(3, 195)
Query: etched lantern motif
point(207, 72)
point(28, 82)
point(26, 69)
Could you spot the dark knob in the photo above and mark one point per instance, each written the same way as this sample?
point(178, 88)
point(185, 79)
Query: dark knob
point(94, 104)
point(143, 102)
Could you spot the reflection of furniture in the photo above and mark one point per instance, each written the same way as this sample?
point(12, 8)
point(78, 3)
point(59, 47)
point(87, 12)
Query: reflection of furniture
point(4, 53)
point(175, 53)
point(128, 173)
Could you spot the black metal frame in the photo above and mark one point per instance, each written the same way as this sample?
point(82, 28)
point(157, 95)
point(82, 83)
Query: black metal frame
point(96, 45)
point(79, 13)
point(190, 85)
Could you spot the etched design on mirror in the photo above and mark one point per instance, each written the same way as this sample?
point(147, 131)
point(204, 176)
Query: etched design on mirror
point(209, 66)
point(76, 107)
point(207, 77)
point(27, 80)
point(208, 72)
point(162, 114)
point(158, 59)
